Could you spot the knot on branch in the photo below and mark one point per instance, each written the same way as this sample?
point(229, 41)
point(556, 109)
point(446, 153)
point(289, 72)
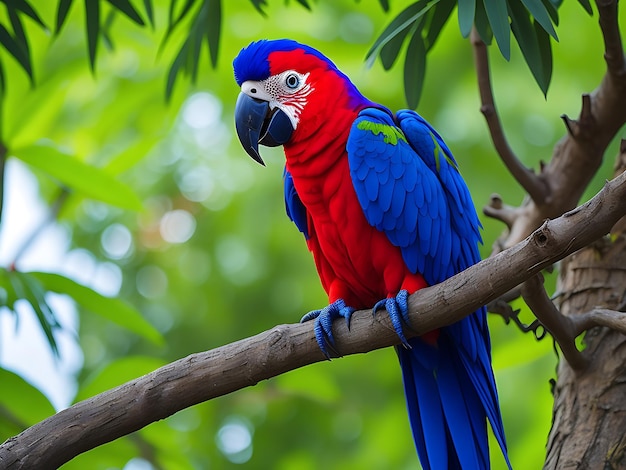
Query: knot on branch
point(542, 235)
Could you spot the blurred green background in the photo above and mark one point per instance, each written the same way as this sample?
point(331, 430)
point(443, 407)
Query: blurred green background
point(210, 257)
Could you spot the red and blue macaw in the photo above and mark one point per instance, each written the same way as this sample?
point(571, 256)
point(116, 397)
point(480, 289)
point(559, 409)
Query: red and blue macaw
point(385, 212)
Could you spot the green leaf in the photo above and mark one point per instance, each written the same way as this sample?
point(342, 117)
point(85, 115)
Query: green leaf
point(196, 34)
point(467, 8)
point(258, 5)
point(62, 11)
point(147, 5)
point(212, 25)
point(174, 20)
point(10, 297)
point(105, 30)
point(91, 181)
point(545, 49)
point(389, 52)
point(436, 20)
point(20, 36)
point(112, 309)
point(305, 4)
point(497, 14)
point(587, 6)
point(384, 4)
point(30, 289)
point(400, 25)
point(3, 84)
point(118, 372)
point(482, 24)
point(526, 36)
point(414, 69)
point(26, 403)
point(27, 9)
point(17, 50)
point(540, 13)
point(179, 61)
point(128, 9)
point(552, 11)
point(92, 20)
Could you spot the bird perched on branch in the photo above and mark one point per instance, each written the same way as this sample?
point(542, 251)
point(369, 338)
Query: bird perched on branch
point(385, 212)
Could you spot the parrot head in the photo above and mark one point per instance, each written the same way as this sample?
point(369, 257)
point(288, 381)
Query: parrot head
point(288, 91)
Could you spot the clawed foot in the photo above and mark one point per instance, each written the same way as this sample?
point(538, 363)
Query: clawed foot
point(398, 309)
point(324, 322)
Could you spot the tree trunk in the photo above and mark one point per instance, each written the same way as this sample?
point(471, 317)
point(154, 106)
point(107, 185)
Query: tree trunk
point(589, 414)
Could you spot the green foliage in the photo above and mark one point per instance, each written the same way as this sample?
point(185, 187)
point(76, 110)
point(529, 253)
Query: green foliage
point(122, 159)
point(73, 173)
point(23, 286)
point(112, 309)
point(21, 404)
point(531, 21)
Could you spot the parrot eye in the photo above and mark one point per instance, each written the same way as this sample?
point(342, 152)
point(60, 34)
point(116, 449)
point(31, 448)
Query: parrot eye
point(292, 81)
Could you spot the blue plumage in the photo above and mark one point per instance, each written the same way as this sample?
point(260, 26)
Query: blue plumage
point(409, 187)
point(407, 183)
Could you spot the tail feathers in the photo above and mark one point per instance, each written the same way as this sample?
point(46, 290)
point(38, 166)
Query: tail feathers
point(450, 395)
point(425, 412)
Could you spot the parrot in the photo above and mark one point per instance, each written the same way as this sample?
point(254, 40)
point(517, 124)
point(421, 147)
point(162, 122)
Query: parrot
point(385, 212)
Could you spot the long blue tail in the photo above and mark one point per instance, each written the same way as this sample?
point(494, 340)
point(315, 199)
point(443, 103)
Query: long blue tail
point(451, 392)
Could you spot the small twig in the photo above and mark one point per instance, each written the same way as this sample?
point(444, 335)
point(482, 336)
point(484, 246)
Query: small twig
point(560, 327)
point(496, 209)
point(501, 306)
point(533, 184)
point(613, 319)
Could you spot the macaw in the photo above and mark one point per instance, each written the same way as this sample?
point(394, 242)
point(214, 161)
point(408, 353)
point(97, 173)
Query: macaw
point(385, 212)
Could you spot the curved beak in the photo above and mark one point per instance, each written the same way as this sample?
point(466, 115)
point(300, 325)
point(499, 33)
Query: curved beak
point(257, 124)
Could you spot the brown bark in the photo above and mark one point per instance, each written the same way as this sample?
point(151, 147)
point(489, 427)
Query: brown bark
point(589, 416)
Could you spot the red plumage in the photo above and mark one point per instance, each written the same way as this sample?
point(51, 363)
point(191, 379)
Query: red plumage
point(355, 261)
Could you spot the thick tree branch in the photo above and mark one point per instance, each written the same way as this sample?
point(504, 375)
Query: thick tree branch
point(533, 184)
point(203, 376)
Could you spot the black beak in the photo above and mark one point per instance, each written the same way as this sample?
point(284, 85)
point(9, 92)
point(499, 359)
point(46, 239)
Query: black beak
point(257, 124)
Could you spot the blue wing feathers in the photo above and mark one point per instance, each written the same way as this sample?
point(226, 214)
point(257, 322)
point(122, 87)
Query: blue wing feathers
point(295, 209)
point(410, 189)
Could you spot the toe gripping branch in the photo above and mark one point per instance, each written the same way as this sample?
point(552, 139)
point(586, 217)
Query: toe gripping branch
point(397, 307)
point(324, 322)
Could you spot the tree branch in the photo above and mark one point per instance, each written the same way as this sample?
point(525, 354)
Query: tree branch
point(560, 327)
point(613, 47)
point(578, 155)
point(533, 184)
point(203, 376)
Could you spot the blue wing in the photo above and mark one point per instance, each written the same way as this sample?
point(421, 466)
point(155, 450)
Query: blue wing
point(295, 209)
point(409, 187)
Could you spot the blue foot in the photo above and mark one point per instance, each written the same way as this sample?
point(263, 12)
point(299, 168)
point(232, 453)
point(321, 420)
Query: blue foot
point(324, 322)
point(398, 309)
